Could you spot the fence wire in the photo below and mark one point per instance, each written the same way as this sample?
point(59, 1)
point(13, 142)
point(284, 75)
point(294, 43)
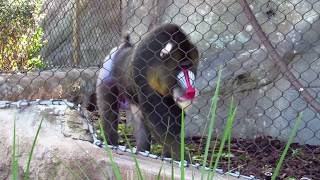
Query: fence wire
point(268, 50)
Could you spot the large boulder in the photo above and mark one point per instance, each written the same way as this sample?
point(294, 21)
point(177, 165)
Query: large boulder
point(63, 142)
point(64, 150)
point(75, 85)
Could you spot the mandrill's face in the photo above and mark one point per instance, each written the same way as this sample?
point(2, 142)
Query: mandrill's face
point(175, 70)
point(185, 62)
point(185, 92)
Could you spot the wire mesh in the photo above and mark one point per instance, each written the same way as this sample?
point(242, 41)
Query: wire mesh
point(55, 49)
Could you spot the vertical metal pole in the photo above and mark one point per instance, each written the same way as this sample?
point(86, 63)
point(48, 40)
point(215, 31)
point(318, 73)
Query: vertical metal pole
point(76, 33)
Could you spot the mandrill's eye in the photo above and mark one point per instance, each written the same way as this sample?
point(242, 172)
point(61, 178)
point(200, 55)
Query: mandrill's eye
point(186, 64)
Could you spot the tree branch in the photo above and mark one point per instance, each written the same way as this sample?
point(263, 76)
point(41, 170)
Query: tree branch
point(277, 59)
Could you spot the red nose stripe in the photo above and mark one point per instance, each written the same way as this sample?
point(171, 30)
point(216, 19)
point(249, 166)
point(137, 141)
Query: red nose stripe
point(190, 91)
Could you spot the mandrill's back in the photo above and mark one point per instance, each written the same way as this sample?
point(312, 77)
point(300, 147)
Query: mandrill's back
point(123, 69)
point(116, 68)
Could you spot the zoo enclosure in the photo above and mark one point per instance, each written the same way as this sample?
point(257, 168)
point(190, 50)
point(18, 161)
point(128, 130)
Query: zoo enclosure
point(80, 33)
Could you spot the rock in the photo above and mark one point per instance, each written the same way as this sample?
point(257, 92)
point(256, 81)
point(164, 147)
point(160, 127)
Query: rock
point(75, 85)
point(63, 141)
point(63, 150)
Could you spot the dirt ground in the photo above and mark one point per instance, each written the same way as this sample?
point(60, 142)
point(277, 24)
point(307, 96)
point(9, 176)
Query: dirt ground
point(255, 157)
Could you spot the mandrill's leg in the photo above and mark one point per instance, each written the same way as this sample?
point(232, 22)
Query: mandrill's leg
point(107, 100)
point(172, 143)
point(142, 134)
point(163, 120)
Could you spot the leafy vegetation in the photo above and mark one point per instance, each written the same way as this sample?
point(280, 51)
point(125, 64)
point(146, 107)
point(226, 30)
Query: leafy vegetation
point(20, 35)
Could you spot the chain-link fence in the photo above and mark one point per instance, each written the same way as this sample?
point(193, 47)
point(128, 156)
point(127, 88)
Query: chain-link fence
point(268, 51)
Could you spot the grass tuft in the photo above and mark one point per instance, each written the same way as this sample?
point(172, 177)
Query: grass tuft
point(182, 169)
point(135, 159)
point(114, 166)
point(14, 153)
point(212, 155)
point(213, 108)
point(172, 168)
point(27, 172)
point(285, 151)
point(159, 173)
point(226, 134)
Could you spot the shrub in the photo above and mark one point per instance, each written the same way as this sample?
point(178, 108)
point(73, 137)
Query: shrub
point(20, 35)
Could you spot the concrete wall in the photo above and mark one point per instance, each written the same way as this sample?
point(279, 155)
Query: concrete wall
point(267, 104)
point(98, 30)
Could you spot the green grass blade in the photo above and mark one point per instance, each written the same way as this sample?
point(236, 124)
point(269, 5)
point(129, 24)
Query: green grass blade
point(193, 174)
point(135, 159)
point(182, 147)
point(159, 173)
point(229, 135)
point(226, 133)
point(114, 166)
point(189, 154)
point(14, 155)
point(27, 172)
point(165, 137)
point(212, 155)
point(172, 169)
point(285, 151)
point(229, 151)
point(213, 108)
point(213, 150)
